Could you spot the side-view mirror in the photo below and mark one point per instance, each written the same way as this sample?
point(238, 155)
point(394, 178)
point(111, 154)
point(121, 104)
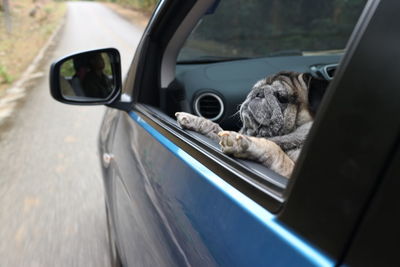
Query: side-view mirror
point(92, 77)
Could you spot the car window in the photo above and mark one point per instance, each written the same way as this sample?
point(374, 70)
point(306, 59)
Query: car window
point(267, 28)
point(237, 44)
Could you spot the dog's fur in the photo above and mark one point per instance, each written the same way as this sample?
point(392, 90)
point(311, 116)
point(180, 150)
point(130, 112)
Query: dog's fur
point(276, 115)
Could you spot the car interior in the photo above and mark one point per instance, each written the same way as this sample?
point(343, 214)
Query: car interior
point(215, 91)
point(222, 48)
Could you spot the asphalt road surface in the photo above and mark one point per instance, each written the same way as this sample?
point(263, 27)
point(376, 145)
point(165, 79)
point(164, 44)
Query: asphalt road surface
point(51, 192)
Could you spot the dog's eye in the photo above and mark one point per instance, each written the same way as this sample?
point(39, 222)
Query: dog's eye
point(283, 99)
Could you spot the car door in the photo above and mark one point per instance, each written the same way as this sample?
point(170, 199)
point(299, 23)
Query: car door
point(177, 201)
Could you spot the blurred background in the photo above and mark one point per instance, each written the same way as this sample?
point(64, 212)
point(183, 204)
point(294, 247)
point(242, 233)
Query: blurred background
point(51, 193)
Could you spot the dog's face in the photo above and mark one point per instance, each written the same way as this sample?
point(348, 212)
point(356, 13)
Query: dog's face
point(280, 103)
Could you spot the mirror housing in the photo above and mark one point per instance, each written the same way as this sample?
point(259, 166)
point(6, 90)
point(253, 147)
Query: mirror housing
point(87, 78)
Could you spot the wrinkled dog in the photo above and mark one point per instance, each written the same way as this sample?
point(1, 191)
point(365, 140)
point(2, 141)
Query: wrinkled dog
point(276, 116)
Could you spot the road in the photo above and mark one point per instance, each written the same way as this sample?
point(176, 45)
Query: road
point(51, 191)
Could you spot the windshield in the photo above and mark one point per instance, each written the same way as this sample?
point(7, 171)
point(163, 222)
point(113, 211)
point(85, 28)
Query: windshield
point(237, 29)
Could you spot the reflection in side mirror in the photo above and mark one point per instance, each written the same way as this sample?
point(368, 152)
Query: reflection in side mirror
point(89, 77)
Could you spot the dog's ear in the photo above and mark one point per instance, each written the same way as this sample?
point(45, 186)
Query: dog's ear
point(316, 91)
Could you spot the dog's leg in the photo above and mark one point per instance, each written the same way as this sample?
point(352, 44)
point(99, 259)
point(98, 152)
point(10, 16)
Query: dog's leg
point(258, 149)
point(294, 140)
point(198, 124)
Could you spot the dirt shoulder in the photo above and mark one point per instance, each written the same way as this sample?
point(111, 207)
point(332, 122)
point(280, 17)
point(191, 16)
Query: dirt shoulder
point(32, 23)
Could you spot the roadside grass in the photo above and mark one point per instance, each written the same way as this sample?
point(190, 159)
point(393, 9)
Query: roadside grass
point(32, 25)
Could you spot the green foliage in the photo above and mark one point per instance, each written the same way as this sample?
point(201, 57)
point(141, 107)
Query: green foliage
point(67, 68)
point(5, 77)
point(262, 27)
point(107, 64)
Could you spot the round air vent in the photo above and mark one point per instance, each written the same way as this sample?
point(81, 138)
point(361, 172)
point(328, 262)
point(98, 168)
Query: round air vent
point(209, 106)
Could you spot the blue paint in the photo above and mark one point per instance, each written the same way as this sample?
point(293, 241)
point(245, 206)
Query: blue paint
point(258, 222)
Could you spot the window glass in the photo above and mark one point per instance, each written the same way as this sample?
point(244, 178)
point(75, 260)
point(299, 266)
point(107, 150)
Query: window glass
point(266, 28)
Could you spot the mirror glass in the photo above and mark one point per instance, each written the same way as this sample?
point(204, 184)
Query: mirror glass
point(87, 77)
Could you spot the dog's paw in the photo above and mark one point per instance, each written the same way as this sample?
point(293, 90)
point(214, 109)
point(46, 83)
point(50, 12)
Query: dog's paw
point(185, 120)
point(233, 143)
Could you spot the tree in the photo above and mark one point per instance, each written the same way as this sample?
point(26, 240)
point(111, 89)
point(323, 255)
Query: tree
point(7, 15)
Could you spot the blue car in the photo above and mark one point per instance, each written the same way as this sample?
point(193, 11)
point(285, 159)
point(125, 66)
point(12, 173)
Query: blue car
point(174, 199)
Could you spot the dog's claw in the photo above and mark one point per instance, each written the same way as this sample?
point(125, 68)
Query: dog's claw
point(223, 133)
